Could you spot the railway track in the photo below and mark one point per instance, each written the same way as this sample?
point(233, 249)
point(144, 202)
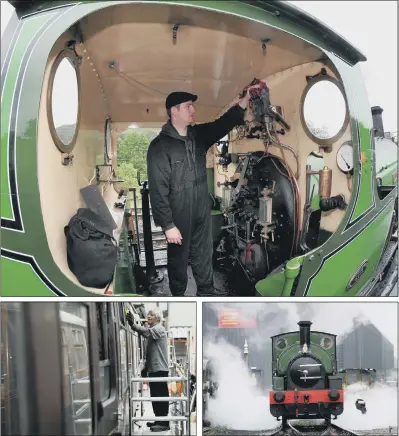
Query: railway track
point(325, 429)
point(289, 429)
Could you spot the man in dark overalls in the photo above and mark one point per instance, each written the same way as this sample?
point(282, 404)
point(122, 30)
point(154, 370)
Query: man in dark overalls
point(176, 167)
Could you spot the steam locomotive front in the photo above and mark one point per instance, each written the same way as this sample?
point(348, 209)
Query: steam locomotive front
point(305, 385)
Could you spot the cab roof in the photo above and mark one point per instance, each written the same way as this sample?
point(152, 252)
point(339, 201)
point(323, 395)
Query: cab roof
point(283, 9)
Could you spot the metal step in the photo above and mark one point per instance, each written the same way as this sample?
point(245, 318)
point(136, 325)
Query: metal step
point(162, 418)
point(158, 235)
point(170, 399)
point(157, 379)
point(160, 248)
point(160, 258)
point(80, 382)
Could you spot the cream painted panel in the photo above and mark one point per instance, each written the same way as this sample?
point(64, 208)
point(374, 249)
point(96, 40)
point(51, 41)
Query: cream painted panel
point(59, 185)
point(215, 56)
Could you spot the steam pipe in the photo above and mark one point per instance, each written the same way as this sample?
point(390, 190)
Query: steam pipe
point(376, 112)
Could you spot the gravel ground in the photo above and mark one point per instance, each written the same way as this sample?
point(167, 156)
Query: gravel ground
point(223, 431)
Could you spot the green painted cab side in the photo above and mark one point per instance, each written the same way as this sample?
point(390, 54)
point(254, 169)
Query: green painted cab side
point(339, 268)
point(283, 358)
point(366, 189)
point(280, 283)
point(19, 279)
point(272, 285)
point(389, 175)
point(25, 35)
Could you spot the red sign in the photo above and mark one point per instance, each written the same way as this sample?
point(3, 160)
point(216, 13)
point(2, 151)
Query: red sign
point(235, 319)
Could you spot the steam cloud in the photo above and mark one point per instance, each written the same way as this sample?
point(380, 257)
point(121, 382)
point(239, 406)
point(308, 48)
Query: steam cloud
point(238, 404)
point(382, 407)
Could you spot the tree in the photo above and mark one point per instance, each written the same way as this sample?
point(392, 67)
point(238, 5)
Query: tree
point(128, 174)
point(319, 132)
point(132, 156)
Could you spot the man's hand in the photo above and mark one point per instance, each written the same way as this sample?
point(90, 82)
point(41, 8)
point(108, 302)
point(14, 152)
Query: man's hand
point(245, 100)
point(173, 236)
point(129, 318)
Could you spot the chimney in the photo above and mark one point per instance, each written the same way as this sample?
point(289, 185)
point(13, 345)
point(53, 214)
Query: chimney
point(304, 332)
point(376, 111)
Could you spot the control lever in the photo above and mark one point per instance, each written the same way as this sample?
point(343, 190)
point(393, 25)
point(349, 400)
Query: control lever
point(307, 211)
point(279, 117)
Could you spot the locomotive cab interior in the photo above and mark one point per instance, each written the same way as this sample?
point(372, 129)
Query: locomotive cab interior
point(278, 185)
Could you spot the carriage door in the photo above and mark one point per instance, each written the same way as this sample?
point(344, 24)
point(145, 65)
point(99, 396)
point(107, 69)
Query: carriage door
point(130, 365)
point(77, 377)
point(124, 414)
point(107, 400)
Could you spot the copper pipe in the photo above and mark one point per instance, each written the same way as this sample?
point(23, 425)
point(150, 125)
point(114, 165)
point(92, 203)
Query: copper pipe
point(312, 172)
point(292, 178)
point(348, 184)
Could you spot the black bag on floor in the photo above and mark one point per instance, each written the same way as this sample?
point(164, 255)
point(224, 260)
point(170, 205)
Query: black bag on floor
point(91, 248)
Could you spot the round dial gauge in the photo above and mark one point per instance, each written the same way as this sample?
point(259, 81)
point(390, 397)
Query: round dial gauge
point(345, 157)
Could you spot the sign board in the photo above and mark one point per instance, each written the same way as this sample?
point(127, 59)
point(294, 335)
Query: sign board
point(230, 318)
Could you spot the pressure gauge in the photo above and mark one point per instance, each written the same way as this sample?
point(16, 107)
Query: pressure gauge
point(345, 157)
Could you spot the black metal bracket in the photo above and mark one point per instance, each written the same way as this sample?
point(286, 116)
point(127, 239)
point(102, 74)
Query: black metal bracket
point(98, 180)
point(264, 45)
point(175, 29)
point(323, 72)
point(72, 46)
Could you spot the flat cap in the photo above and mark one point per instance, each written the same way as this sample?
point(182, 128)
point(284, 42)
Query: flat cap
point(176, 98)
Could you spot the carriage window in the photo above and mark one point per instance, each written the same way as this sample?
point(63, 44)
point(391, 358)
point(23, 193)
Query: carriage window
point(64, 101)
point(80, 349)
point(13, 385)
point(77, 396)
point(324, 111)
point(121, 315)
point(103, 348)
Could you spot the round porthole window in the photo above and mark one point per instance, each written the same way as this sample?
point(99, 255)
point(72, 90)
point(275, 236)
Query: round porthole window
point(326, 342)
point(281, 344)
point(324, 111)
point(108, 139)
point(63, 101)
